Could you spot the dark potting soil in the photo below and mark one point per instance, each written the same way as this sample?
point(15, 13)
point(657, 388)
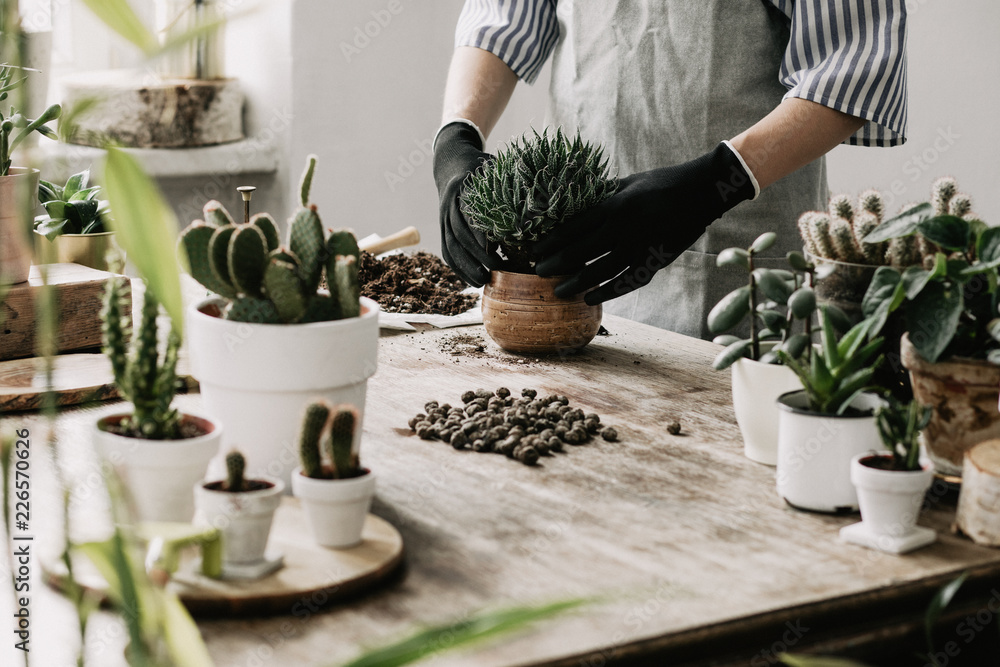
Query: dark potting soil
point(880, 463)
point(186, 429)
point(413, 283)
point(248, 485)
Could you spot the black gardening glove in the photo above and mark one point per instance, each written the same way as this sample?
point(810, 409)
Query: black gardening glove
point(459, 152)
point(654, 217)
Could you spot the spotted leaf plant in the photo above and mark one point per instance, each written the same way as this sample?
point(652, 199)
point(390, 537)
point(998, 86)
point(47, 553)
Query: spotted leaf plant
point(267, 282)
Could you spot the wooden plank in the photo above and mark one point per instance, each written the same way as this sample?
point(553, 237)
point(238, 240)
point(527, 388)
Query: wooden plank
point(78, 291)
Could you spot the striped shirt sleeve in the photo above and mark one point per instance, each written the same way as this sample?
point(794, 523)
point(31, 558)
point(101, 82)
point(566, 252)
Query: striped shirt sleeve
point(522, 33)
point(850, 55)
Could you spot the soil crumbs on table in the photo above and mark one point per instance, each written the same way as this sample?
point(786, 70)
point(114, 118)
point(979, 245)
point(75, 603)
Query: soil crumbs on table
point(475, 347)
point(415, 283)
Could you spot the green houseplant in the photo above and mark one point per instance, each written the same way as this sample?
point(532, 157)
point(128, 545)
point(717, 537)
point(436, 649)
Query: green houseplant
point(782, 303)
point(17, 183)
point(947, 309)
point(533, 186)
point(271, 339)
point(822, 426)
point(336, 491)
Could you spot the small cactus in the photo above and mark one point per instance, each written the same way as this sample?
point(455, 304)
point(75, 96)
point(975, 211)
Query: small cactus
point(837, 233)
point(313, 423)
point(143, 376)
point(235, 466)
point(942, 191)
point(339, 442)
point(266, 282)
point(342, 425)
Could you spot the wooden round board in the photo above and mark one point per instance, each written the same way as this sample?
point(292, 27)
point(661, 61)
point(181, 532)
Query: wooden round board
point(312, 574)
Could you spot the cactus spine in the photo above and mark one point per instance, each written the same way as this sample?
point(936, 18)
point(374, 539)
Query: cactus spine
point(144, 377)
point(266, 282)
point(339, 442)
point(235, 466)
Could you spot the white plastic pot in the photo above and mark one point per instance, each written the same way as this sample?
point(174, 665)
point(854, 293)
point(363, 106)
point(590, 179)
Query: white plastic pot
point(890, 500)
point(159, 474)
point(258, 378)
point(244, 519)
point(336, 508)
point(756, 388)
point(815, 452)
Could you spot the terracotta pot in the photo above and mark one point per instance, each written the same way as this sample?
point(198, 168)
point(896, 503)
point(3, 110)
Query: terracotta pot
point(85, 249)
point(963, 394)
point(522, 314)
point(15, 224)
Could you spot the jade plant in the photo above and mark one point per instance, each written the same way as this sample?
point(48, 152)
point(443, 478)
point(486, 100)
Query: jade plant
point(533, 186)
point(838, 370)
point(15, 127)
point(266, 282)
point(949, 305)
point(331, 430)
point(144, 376)
point(899, 426)
point(72, 208)
point(781, 302)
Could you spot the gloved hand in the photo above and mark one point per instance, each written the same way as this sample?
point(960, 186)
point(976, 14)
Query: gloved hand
point(654, 217)
point(458, 152)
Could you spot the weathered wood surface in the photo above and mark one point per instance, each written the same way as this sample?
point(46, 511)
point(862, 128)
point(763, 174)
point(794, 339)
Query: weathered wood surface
point(78, 292)
point(683, 536)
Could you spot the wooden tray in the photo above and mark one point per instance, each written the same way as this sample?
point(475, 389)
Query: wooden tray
point(312, 574)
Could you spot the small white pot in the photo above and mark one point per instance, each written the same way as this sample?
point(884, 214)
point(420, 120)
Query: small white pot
point(815, 452)
point(890, 500)
point(336, 508)
point(756, 388)
point(258, 378)
point(244, 519)
point(159, 474)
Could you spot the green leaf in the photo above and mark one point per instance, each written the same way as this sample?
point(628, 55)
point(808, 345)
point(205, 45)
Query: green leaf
point(914, 280)
point(119, 16)
point(730, 310)
point(938, 604)
point(932, 318)
point(988, 246)
point(773, 285)
point(51, 228)
point(802, 302)
point(763, 242)
point(817, 661)
point(831, 353)
point(726, 339)
point(75, 183)
point(773, 320)
point(733, 352)
point(994, 328)
point(903, 224)
point(848, 390)
point(48, 191)
point(87, 194)
point(737, 257)
point(948, 231)
point(841, 322)
point(795, 345)
point(146, 229)
point(462, 633)
point(55, 209)
point(884, 295)
point(798, 261)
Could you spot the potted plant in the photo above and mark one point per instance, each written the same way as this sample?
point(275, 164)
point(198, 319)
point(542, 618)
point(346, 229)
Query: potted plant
point(891, 485)
point(948, 311)
point(529, 189)
point(158, 452)
point(272, 339)
point(777, 298)
point(73, 227)
point(830, 420)
point(243, 510)
point(335, 493)
point(17, 183)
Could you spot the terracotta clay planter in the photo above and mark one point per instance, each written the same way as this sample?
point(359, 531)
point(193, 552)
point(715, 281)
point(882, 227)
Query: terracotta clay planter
point(15, 228)
point(963, 394)
point(522, 314)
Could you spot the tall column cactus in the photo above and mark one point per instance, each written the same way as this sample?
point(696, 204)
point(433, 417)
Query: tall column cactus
point(338, 425)
point(264, 281)
point(235, 467)
point(143, 377)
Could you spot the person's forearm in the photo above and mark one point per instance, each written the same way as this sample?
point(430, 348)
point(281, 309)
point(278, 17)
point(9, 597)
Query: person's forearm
point(478, 89)
point(793, 135)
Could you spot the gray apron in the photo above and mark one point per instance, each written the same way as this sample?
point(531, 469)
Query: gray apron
point(659, 82)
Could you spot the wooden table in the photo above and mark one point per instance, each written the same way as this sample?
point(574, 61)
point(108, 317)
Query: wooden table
point(684, 539)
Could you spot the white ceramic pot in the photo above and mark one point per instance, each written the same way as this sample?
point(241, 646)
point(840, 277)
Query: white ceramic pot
point(159, 474)
point(258, 378)
point(336, 508)
point(244, 519)
point(756, 388)
point(815, 452)
point(890, 500)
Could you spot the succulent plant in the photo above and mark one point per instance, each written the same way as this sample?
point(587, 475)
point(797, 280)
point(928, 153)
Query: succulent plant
point(341, 423)
point(837, 233)
point(235, 466)
point(534, 185)
point(143, 376)
point(899, 426)
point(269, 283)
point(15, 127)
point(72, 208)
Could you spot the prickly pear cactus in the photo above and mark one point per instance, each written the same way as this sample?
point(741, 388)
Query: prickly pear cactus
point(266, 282)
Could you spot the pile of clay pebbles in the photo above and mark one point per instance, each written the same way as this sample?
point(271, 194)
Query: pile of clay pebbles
point(520, 428)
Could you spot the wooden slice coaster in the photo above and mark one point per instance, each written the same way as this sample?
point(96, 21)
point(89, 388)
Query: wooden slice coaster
point(313, 576)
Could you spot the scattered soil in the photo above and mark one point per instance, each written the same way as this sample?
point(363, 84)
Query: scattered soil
point(475, 347)
point(416, 283)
